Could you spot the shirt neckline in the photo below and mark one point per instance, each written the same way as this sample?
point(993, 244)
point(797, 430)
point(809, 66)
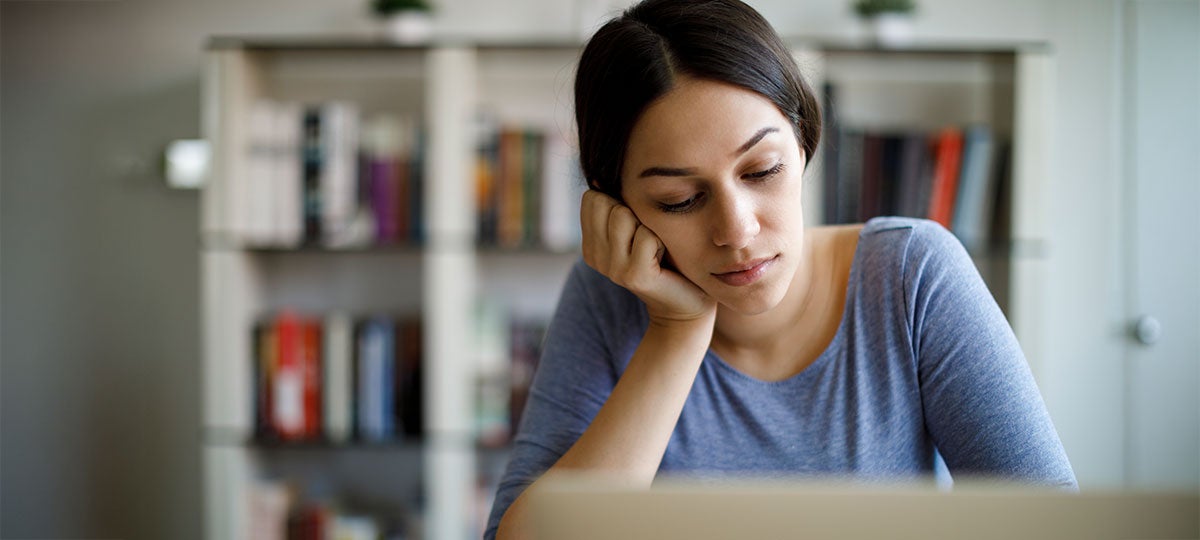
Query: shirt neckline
point(835, 345)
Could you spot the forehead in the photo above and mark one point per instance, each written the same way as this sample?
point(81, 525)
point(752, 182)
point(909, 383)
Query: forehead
point(700, 121)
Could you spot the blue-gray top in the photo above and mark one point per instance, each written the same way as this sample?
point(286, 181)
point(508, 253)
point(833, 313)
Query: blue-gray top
point(923, 360)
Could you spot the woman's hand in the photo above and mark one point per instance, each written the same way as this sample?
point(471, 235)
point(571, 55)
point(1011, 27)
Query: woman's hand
point(617, 245)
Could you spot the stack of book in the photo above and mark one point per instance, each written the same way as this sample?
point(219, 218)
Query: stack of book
point(319, 174)
point(953, 177)
point(508, 350)
point(528, 187)
point(276, 513)
point(337, 379)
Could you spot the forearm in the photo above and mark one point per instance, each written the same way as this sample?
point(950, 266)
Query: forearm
point(629, 435)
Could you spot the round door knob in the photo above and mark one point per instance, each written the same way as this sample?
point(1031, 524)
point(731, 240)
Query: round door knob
point(1147, 330)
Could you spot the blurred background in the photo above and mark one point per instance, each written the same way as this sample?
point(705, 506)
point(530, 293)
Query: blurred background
point(392, 201)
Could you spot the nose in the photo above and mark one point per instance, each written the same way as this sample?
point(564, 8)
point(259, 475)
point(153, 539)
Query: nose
point(735, 221)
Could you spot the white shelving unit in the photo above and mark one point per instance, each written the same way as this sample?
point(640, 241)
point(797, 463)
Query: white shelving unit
point(448, 85)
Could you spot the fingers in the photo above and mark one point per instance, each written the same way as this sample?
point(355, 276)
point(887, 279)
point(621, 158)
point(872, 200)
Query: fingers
point(647, 248)
point(609, 229)
point(593, 218)
point(622, 224)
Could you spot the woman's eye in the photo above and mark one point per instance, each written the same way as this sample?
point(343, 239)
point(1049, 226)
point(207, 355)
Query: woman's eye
point(766, 173)
point(679, 207)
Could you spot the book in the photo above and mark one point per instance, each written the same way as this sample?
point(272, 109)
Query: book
point(562, 194)
point(338, 388)
point(912, 182)
point(286, 177)
point(339, 174)
point(376, 362)
point(831, 154)
point(382, 142)
point(310, 356)
point(531, 184)
point(945, 176)
point(265, 347)
point(972, 218)
point(486, 172)
point(409, 402)
point(526, 350)
point(259, 183)
point(492, 377)
point(850, 165)
point(510, 191)
point(288, 380)
point(871, 194)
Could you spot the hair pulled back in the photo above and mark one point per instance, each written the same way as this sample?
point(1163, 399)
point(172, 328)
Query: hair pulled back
point(637, 57)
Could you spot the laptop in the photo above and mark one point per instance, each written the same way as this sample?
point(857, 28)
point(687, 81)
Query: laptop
point(584, 508)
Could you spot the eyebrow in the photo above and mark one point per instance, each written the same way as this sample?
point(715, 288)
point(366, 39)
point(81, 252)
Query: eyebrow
point(673, 171)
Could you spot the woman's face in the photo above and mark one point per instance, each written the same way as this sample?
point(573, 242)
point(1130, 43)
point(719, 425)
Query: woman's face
point(715, 171)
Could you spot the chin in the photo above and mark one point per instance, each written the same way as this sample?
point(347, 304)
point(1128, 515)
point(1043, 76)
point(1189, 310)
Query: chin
point(749, 302)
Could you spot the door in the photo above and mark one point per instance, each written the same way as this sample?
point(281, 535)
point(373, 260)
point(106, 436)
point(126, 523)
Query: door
point(1162, 119)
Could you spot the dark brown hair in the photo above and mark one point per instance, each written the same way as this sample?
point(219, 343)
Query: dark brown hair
point(637, 57)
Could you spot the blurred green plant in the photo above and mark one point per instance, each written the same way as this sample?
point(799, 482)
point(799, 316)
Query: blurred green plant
point(385, 8)
point(871, 8)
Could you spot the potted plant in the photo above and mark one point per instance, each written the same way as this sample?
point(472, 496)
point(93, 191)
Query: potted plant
point(408, 21)
point(890, 20)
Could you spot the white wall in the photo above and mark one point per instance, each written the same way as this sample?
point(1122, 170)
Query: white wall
point(100, 397)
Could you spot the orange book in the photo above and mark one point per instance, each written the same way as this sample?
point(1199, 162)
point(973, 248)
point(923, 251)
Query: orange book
point(945, 176)
point(511, 188)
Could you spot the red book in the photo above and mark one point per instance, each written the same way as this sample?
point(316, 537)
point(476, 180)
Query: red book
point(945, 176)
point(287, 380)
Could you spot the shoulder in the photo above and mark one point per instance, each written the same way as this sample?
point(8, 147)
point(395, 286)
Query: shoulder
point(925, 232)
point(914, 243)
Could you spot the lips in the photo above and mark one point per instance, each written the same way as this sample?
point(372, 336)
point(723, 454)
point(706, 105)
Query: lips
point(745, 273)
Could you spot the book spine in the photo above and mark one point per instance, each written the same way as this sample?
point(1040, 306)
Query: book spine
point(945, 179)
point(975, 192)
point(311, 367)
point(338, 388)
point(287, 177)
point(314, 158)
point(288, 381)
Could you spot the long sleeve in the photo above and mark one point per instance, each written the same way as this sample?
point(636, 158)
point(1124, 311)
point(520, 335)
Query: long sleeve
point(981, 404)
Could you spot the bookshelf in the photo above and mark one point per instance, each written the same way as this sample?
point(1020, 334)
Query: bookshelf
point(1007, 88)
point(436, 486)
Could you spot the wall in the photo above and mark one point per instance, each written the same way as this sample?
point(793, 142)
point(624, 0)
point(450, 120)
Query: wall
point(99, 372)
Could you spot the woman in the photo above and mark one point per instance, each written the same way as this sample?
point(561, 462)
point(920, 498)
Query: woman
point(710, 332)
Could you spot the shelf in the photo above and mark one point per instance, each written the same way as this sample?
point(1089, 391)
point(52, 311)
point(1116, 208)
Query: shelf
point(364, 42)
point(969, 47)
point(367, 42)
point(224, 437)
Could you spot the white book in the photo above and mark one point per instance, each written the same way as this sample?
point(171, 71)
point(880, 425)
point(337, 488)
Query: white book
point(339, 175)
point(492, 371)
point(344, 527)
point(258, 167)
point(338, 388)
point(270, 502)
point(562, 192)
point(288, 175)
